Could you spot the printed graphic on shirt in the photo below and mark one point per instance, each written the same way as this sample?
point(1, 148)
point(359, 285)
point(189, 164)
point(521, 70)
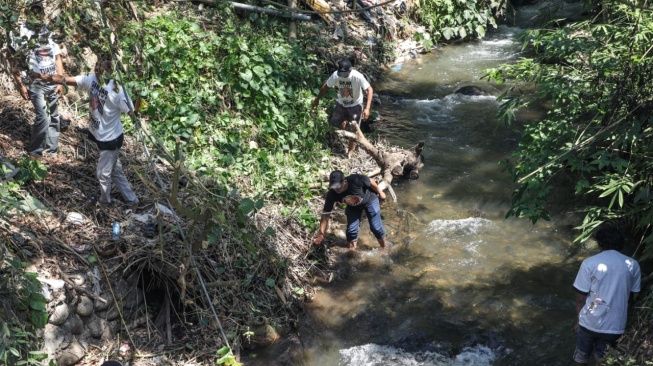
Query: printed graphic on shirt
point(44, 57)
point(345, 92)
point(98, 98)
point(352, 200)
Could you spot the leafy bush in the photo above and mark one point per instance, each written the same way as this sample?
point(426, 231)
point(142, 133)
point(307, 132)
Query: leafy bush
point(458, 19)
point(22, 311)
point(597, 78)
point(238, 99)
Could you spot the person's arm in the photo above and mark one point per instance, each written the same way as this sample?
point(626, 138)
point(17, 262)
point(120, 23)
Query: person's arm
point(58, 64)
point(580, 302)
point(323, 91)
point(376, 189)
point(370, 96)
point(15, 73)
point(324, 220)
point(55, 79)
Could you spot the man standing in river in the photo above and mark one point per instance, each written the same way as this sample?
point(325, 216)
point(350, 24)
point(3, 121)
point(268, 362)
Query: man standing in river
point(349, 85)
point(358, 193)
point(604, 284)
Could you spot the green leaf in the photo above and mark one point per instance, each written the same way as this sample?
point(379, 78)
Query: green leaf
point(246, 75)
point(270, 282)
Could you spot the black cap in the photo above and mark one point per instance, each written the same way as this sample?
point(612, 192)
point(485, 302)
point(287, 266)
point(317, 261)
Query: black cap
point(344, 68)
point(335, 179)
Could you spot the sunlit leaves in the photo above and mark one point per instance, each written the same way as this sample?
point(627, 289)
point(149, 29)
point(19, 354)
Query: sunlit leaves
point(220, 93)
point(598, 79)
point(450, 19)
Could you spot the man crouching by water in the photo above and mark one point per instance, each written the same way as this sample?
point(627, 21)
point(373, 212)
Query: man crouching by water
point(357, 192)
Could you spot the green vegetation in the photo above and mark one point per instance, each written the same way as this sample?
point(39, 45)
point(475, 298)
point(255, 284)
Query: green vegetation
point(239, 98)
point(458, 19)
point(596, 75)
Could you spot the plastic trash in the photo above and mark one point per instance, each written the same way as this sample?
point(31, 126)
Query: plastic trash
point(115, 231)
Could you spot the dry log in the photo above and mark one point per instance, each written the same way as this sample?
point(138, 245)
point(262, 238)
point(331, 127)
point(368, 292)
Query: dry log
point(401, 163)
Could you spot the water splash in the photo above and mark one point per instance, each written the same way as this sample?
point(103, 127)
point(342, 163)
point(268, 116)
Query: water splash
point(462, 227)
point(378, 355)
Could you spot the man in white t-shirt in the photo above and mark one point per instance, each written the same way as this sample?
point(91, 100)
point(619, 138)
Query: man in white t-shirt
point(350, 85)
point(32, 50)
point(604, 284)
point(107, 102)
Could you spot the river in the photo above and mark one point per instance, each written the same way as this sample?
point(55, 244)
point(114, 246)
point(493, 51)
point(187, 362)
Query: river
point(461, 284)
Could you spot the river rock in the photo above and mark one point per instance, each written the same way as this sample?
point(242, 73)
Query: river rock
point(95, 327)
point(85, 306)
point(101, 306)
point(74, 324)
point(264, 336)
point(110, 330)
point(470, 90)
point(110, 314)
point(54, 338)
point(59, 315)
point(71, 355)
point(78, 279)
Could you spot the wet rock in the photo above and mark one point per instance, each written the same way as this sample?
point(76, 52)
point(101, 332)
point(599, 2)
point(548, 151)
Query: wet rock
point(71, 355)
point(74, 324)
point(59, 315)
point(470, 90)
point(95, 327)
point(85, 306)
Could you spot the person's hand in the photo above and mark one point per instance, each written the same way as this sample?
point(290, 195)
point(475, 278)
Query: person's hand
point(366, 113)
point(318, 239)
point(59, 90)
point(382, 196)
point(23, 92)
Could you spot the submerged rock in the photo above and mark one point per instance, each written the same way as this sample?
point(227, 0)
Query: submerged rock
point(470, 90)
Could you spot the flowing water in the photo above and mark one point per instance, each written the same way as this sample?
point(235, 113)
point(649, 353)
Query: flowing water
point(461, 284)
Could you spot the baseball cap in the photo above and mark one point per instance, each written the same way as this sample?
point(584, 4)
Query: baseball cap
point(344, 68)
point(335, 179)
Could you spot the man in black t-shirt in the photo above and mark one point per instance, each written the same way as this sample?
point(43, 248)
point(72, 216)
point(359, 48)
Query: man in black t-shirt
point(358, 193)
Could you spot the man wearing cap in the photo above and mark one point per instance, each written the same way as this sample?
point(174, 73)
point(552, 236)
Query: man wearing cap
point(34, 51)
point(349, 85)
point(358, 193)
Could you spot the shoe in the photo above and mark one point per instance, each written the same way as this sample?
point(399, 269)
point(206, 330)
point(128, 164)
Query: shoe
point(131, 207)
point(38, 157)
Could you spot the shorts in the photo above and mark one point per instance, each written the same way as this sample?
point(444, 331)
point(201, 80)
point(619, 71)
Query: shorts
point(346, 114)
point(589, 343)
